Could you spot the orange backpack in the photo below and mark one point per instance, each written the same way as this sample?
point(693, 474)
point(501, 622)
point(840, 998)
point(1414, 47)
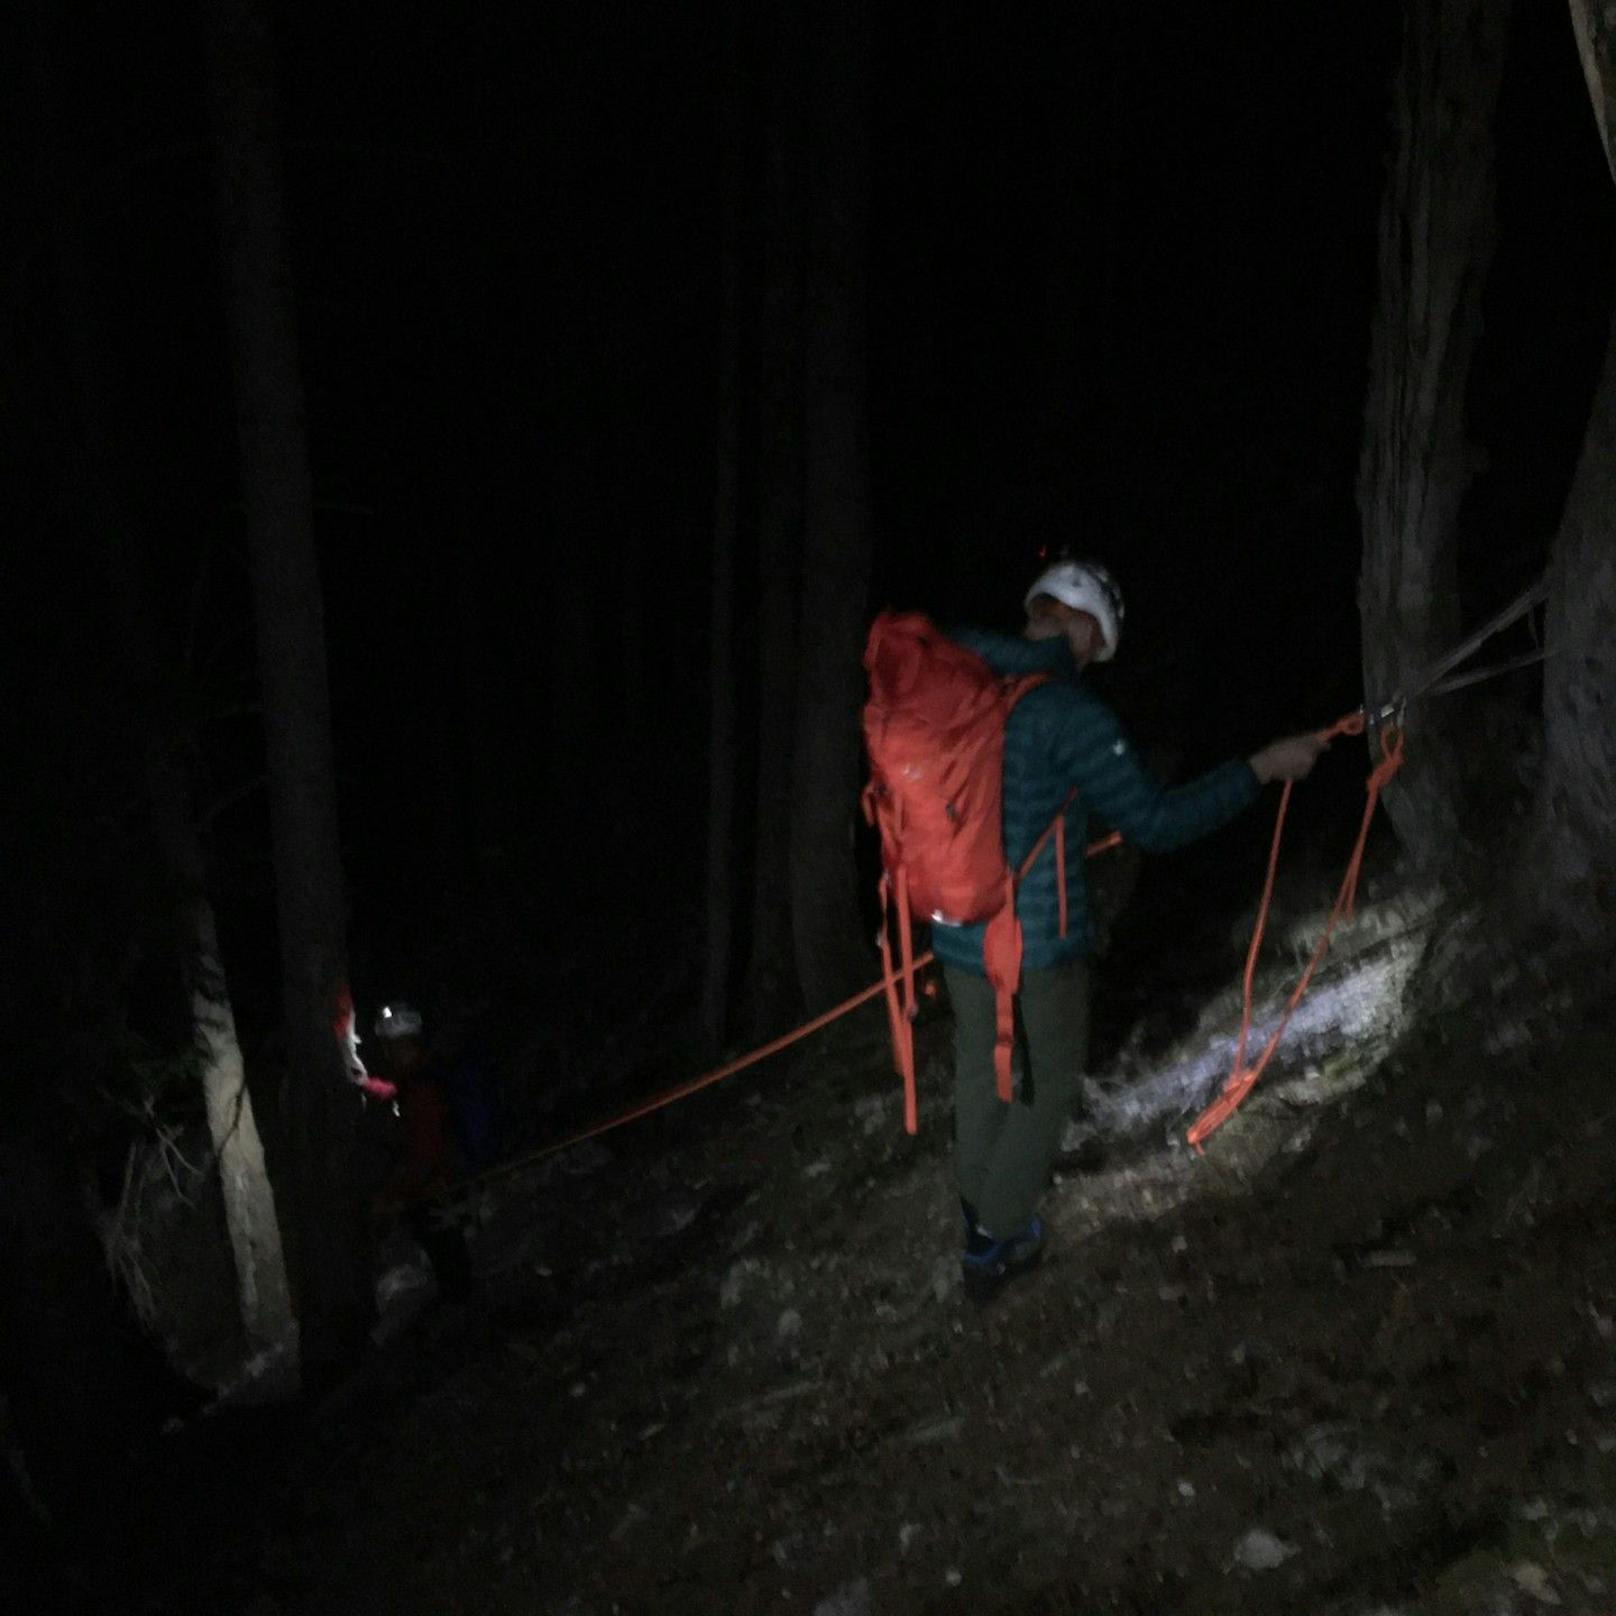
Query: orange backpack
point(934, 730)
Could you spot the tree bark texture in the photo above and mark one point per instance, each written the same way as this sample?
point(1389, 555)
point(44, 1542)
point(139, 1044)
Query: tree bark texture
point(1436, 232)
point(332, 1258)
point(249, 1202)
point(773, 992)
point(836, 569)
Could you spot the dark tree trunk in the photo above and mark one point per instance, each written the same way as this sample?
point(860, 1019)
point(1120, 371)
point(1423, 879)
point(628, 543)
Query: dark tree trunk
point(332, 1255)
point(1594, 23)
point(836, 571)
point(1435, 244)
point(720, 899)
point(1573, 875)
point(772, 982)
point(100, 477)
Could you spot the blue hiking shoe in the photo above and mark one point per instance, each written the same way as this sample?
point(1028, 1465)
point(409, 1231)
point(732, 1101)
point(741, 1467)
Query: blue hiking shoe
point(988, 1265)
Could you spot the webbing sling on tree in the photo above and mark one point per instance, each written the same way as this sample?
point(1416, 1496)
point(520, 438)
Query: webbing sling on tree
point(1386, 721)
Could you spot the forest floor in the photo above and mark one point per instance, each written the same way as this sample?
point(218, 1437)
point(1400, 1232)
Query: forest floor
point(1358, 1359)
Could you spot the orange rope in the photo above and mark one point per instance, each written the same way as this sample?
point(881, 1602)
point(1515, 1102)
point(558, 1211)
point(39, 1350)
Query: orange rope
point(1242, 1078)
point(695, 1085)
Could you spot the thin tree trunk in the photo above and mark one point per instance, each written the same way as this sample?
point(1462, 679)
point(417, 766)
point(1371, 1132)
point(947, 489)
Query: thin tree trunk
point(772, 984)
point(1435, 244)
point(332, 1266)
point(717, 962)
point(836, 573)
point(249, 1203)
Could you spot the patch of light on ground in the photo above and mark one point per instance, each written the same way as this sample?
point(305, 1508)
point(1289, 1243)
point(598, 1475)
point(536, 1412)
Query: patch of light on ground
point(1350, 1017)
point(1344, 1028)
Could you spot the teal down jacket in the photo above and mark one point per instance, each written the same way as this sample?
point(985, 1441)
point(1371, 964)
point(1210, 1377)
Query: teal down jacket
point(1061, 735)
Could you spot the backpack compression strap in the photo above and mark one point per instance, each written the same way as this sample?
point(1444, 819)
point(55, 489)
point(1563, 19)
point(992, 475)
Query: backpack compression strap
point(900, 1013)
point(1001, 945)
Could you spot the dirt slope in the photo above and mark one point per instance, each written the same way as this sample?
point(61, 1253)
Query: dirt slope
point(725, 1366)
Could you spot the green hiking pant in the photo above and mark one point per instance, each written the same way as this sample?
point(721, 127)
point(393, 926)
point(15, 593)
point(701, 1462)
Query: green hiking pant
point(1003, 1152)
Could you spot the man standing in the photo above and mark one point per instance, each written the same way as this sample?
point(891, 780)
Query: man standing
point(1059, 736)
point(434, 1149)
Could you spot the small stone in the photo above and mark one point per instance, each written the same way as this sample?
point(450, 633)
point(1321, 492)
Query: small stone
point(907, 1534)
point(1534, 1580)
point(735, 1281)
point(1186, 1489)
point(632, 1517)
point(1392, 1258)
point(952, 1577)
point(1260, 1550)
point(790, 1325)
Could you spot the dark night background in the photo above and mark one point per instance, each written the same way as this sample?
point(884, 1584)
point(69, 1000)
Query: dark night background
point(1121, 268)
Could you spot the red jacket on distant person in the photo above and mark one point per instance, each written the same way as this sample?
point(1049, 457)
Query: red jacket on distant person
point(428, 1139)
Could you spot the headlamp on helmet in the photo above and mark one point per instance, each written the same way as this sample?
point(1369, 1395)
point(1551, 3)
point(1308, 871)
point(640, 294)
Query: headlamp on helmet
point(398, 1020)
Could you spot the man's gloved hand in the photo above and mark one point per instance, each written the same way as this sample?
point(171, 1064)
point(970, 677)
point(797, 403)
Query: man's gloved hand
point(1289, 759)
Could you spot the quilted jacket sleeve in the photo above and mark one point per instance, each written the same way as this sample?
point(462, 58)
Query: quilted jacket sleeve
point(1088, 747)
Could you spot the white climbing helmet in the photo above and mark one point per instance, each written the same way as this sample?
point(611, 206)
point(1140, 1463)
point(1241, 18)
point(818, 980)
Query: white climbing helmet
point(398, 1020)
point(1085, 586)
